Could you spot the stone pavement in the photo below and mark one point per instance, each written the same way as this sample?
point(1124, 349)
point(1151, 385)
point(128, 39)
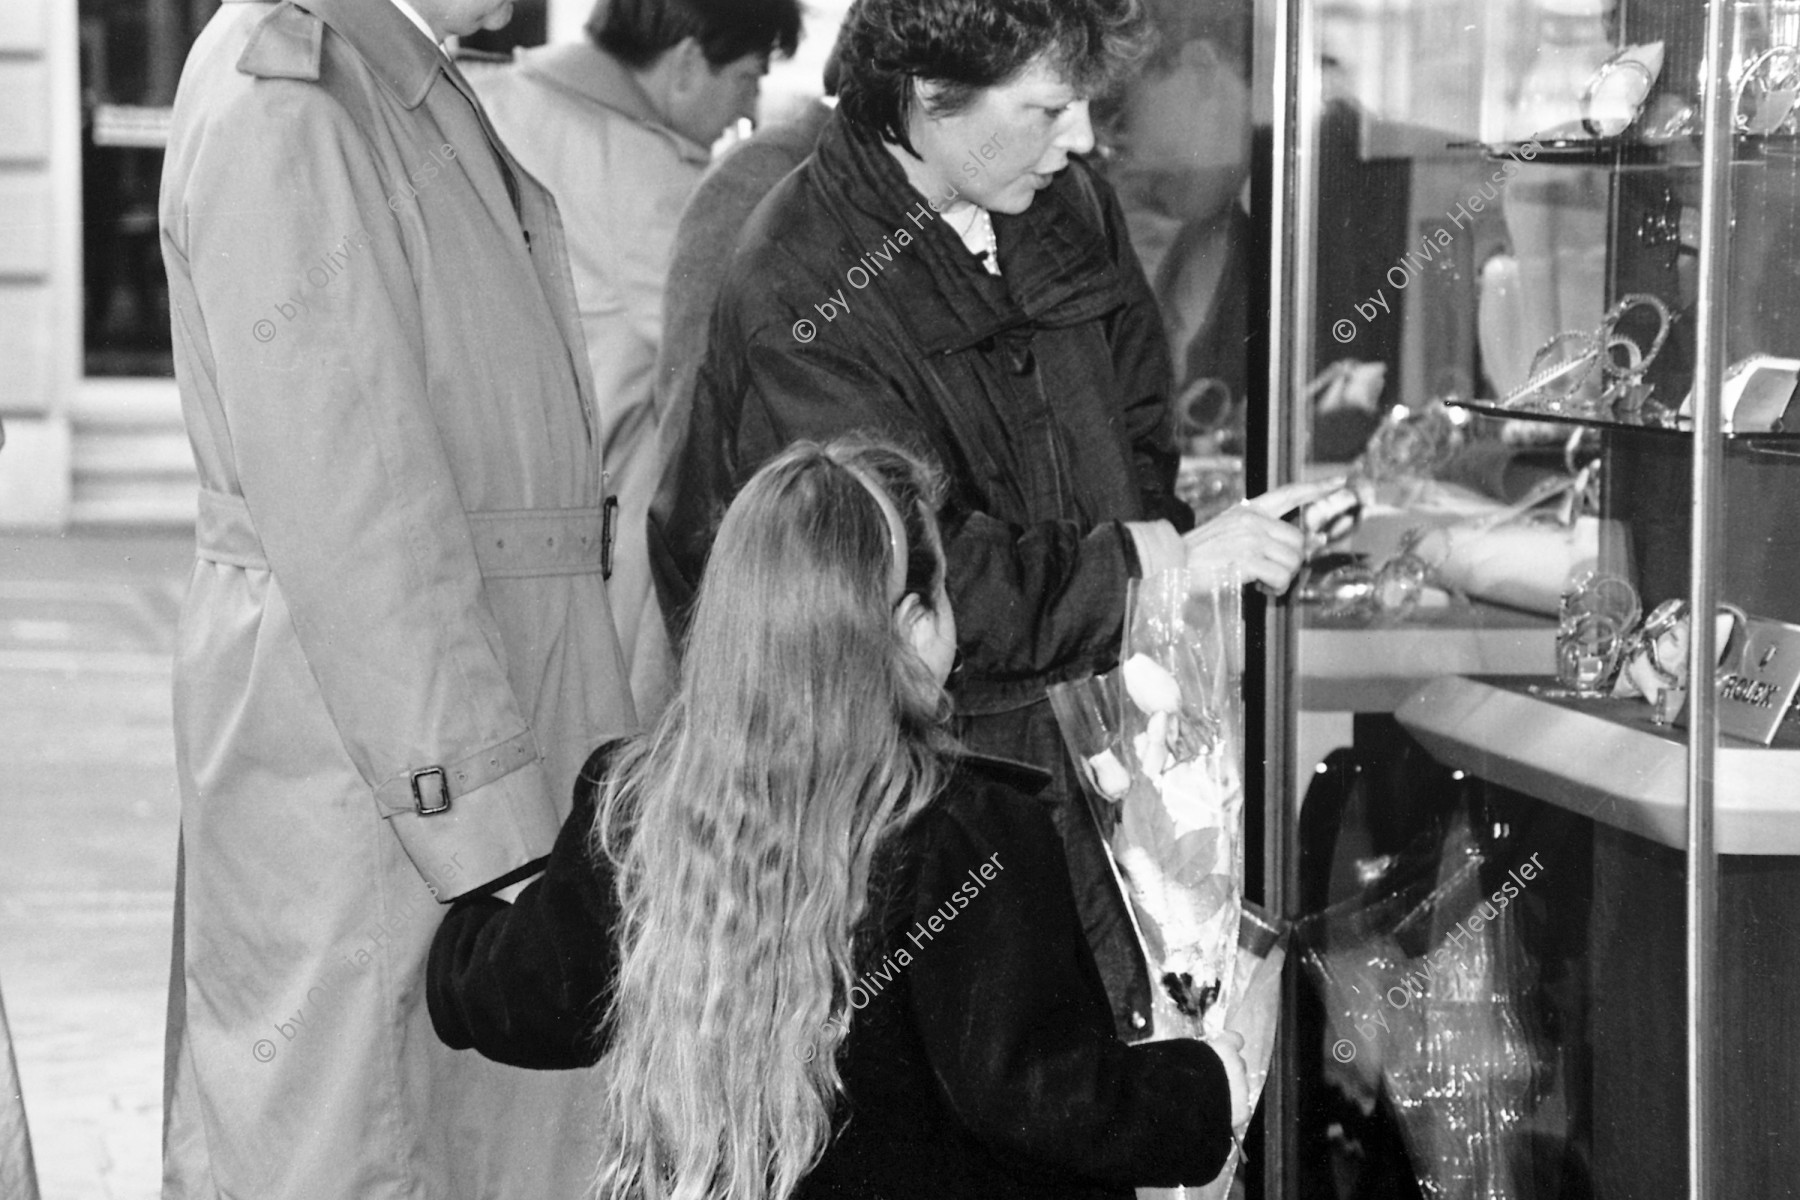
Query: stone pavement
point(88, 814)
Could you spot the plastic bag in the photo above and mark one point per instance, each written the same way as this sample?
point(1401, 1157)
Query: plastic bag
point(1424, 985)
point(1159, 745)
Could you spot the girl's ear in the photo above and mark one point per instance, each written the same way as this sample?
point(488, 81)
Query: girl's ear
point(908, 612)
point(911, 619)
point(930, 632)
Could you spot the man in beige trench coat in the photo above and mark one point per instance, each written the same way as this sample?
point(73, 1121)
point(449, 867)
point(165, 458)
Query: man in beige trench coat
point(396, 650)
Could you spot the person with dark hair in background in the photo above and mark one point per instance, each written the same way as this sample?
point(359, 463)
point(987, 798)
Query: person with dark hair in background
point(946, 270)
point(619, 127)
point(715, 215)
point(396, 649)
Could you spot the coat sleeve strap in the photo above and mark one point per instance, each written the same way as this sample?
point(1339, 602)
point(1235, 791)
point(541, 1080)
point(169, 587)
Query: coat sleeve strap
point(412, 792)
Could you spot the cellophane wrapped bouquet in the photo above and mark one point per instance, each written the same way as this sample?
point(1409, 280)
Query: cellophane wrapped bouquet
point(1159, 744)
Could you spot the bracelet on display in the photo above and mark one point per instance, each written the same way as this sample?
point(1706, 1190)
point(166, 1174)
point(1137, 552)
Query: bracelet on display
point(1779, 92)
point(1627, 393)
point(1611, 125)
point(1665, 618)
point(1559, 386)
point(1572, 373)
point(1609, 326)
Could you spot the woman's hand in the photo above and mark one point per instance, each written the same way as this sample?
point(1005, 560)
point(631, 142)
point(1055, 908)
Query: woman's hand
point(1229, 1047)
point(1252, 537)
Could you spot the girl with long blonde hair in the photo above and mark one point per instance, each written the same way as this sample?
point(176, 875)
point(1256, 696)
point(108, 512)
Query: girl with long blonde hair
point(805, 730)
point(846, 961)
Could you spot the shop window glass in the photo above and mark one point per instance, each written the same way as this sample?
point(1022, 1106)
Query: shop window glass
point(131, 56)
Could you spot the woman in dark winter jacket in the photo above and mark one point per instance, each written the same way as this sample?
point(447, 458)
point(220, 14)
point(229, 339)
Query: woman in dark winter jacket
point(945, 270)
point(848, 962)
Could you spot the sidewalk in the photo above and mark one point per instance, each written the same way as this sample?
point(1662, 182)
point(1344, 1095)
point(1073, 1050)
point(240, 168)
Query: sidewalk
point(88, 815)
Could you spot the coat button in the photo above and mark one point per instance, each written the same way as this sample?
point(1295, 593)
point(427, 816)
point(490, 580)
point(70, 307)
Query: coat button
point(1138, 1021)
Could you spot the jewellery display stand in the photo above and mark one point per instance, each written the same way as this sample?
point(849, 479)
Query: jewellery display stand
point(1612, 350)
point(1605, 760)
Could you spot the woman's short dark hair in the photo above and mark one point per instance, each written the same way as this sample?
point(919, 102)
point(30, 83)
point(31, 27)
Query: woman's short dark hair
point(638, 32)
point(965, 46)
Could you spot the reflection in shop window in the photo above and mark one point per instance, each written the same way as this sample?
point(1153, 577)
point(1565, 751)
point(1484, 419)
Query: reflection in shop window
point(132, 52)
point(131, 56)
point(1176, 144)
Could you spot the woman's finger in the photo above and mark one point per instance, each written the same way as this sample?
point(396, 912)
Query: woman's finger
point(1279, 502)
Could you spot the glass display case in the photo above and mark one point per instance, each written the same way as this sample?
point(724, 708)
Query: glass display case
point(1534, 293)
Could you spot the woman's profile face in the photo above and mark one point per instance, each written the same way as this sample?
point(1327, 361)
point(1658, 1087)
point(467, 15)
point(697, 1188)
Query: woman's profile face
point(1006, 146)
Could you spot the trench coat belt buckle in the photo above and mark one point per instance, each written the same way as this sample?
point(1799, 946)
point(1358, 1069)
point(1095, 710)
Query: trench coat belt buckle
point(518, 543)
point(429, 791)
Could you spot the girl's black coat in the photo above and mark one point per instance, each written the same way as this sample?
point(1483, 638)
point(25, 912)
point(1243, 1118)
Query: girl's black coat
point(980, 1059)
point(1044, 394)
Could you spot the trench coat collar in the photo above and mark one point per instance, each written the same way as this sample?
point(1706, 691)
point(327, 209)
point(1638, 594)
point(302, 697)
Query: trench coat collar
point(1057, 271)
point(587, 71)
point(403, 58)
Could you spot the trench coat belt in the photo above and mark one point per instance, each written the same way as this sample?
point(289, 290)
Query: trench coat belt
point(509, 544)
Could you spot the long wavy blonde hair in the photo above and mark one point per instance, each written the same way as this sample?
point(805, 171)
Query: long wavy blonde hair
point(804, 731)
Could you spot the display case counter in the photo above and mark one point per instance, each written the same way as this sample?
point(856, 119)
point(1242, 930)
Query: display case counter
point(1572, 225)
point(1606, 760)
point(1353, 666)
point(1352, 670)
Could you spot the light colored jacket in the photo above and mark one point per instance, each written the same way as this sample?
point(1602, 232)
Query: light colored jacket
point(577, 119)
point(398, 598)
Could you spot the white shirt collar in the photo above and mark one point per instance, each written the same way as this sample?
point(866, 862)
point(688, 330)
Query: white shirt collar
point(412, 14)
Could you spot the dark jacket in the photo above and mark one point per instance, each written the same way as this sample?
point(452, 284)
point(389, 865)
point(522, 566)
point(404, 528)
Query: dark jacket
point(527, 983)
point(710, 224)
point(1043, 394)
point(981, 1059)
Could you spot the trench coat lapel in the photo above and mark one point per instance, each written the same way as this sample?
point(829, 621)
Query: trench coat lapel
point(397, 53)
point(408, 64)
point(509, 169)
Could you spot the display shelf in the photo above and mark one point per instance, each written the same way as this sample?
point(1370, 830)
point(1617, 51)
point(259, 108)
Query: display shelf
point(1626, 153)
point(1655, 422)
point(1361, 666)
point(1605, 760)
